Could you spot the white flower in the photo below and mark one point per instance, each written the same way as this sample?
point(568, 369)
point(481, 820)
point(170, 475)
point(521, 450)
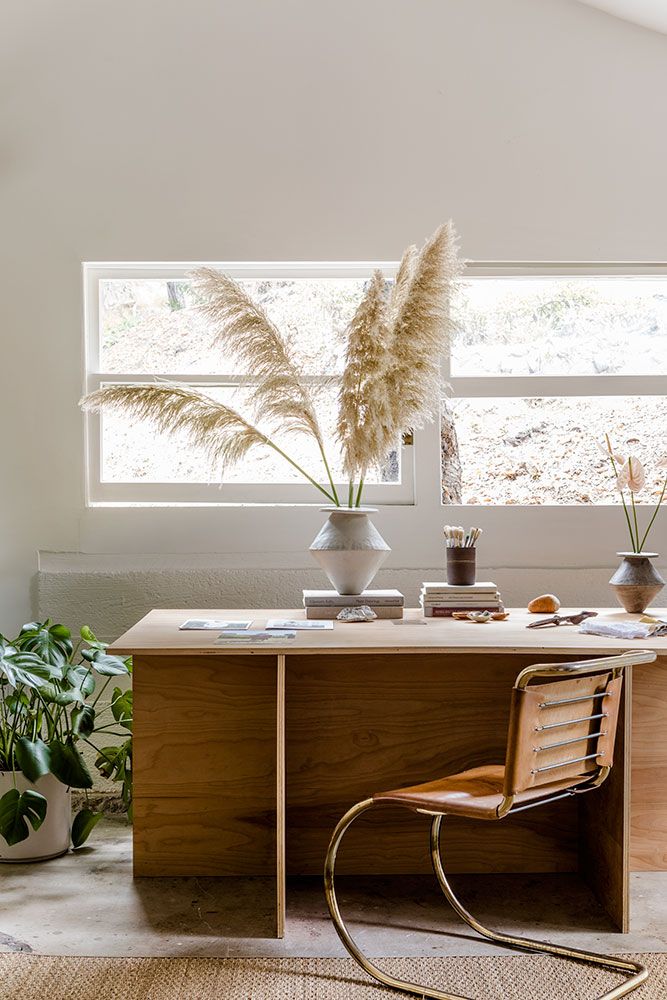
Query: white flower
point(632, 475)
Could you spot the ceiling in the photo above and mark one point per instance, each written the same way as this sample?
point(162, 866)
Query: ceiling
point(649, 13)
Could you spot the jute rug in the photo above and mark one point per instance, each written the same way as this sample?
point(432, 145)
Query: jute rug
point(528, 977)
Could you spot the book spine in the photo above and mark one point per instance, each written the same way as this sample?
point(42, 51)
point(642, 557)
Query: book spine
point(492, 594)
point(459, 593)
point(448, 612)
point(488, 588)
point(460, 604)
point(354, 602)
point(455, 599)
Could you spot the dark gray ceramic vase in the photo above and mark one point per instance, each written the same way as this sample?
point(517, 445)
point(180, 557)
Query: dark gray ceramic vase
point(636, 581)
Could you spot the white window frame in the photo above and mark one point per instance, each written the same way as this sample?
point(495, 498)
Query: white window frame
point(100, 493)
point(538, 386)
point(420, 463)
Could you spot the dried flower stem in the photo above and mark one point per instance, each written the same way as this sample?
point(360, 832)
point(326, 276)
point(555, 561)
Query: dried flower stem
point(221, 430)
point(329, 476)
point(634, 507)
point(620, 490)
point(655, 514)
point(280, 393)
point(359, 492)
point(363, 404)
point(334, 499)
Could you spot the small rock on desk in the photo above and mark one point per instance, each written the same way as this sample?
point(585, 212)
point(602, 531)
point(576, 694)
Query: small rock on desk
point(545, 602)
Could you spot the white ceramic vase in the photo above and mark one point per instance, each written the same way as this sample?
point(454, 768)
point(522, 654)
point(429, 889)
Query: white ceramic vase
point(53, 836)
point(349, 548)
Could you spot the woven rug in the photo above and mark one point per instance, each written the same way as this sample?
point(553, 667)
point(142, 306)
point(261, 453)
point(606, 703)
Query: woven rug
point(528, 977)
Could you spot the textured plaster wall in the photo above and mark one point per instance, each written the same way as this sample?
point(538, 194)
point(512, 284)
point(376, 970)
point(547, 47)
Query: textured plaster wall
point(112, 601)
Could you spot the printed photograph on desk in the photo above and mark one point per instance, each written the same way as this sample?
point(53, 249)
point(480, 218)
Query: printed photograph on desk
point(212, 625)
point(250, 638)
point(289, 623)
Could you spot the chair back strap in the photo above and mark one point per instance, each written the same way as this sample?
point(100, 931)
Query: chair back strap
point(563, 721)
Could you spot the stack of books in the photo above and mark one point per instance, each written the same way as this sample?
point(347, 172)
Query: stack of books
point(328, 603)
point(441, 600)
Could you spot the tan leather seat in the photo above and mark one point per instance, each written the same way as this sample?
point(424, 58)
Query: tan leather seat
point(476, 793)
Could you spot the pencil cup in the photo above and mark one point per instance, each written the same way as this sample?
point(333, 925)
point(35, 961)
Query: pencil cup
point(461, 565)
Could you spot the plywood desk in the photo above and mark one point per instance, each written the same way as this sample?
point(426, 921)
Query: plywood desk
point(245, 757)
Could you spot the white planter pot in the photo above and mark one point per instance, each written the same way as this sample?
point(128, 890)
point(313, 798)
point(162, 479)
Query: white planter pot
point(53, 836)
point(349, 548)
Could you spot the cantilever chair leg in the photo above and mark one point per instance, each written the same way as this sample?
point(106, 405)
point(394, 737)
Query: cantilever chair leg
point(636, 972)
point(339, 924)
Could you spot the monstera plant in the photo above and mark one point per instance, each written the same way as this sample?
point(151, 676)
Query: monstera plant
point(51, 705)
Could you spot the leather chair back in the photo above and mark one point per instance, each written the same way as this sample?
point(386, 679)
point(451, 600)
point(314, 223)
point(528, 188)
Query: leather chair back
point(563, 721)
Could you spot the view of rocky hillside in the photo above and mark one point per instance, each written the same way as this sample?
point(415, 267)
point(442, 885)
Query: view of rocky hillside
point(529, 449)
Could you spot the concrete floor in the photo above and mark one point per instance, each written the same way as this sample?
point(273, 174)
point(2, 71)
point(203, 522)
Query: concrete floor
point(88, 904)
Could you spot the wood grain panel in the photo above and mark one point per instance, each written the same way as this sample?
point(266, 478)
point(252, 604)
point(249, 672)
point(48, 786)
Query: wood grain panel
point(605, 824)
point(648, 837)
point(356, 725)
point(201, 836)
point(205, 765)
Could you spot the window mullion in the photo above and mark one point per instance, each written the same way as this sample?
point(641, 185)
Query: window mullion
point(535, 386)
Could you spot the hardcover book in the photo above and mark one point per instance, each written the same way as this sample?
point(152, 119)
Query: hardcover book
point(332, 599)
point(381, 610)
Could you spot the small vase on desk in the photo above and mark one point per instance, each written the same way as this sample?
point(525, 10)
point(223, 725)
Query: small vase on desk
point(349, 548)
point(636, 581)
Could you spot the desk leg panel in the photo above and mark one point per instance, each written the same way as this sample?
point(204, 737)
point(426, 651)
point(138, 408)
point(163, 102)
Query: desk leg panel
point(648, 842)
point(605, 825)
point(205, 765)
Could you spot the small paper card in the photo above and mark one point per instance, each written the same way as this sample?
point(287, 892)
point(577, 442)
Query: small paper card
point(298, 623)
point(206, 624)
point(249, 638)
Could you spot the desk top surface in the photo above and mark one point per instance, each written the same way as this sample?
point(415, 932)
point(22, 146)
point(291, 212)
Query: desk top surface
point(158, 634)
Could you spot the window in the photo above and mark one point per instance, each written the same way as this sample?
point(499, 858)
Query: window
point(546, 360)
point(142, 324)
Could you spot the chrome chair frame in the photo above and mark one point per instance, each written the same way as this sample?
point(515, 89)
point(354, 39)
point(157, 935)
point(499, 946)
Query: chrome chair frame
point(637, 973)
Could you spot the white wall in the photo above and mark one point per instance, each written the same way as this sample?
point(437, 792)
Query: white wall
point(304, 129)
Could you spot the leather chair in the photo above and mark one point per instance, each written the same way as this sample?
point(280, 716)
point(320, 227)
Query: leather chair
point(563, 721)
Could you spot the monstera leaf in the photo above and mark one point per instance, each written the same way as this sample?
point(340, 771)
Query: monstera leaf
point(104, 663)
point(84, 823)
point(81, 678)
point(33, 757)
point(83, 720)
point(121, 708)
point(68, 765)
point(52, 643)
point(18, 812)
point(20, 667)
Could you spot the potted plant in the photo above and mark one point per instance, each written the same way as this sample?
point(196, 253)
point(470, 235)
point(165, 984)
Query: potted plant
point(50, 695)
point(636, 581)
point(391, 383)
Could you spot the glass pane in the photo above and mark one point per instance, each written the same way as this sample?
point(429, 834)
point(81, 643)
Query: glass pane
point(151, 325)
point(561, 326)
point(132, 451)
point(543, 451)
